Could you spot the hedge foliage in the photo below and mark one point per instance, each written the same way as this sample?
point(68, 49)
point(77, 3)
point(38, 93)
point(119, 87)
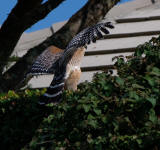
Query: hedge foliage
point(110, 113)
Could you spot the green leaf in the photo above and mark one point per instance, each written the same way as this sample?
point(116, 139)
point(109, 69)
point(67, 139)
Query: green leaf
point(86, 108)
point(133, 94)
point(150, 80)
point(152, 116)
point(104, 119)
point(120, 81)
point(93, 123)
point(11, 93)
point(139, 141)
point(97, 111)
point(90, 117)
point(137, 86)
point(152, 101)
point(155, 71)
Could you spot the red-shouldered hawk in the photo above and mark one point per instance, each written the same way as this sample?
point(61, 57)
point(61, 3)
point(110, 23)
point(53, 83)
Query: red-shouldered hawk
point(65, 65)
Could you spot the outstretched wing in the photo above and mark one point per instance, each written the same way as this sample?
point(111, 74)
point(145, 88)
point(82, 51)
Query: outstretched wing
point(42, 64)
point(83, 38)
point(89, 34)
point(86, 36)
point(54, 92)
point(44, 61)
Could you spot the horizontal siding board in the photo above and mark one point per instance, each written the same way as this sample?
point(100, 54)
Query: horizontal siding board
point(111, 51)
point(136, 27)
point(118, 43)
point(100, 60)
point(124, 9)
point(27, 37)
point(23, 48)
point(135, 34)
point(153, 10)
point(87, 76)
point(45, 80)
point(30, 44)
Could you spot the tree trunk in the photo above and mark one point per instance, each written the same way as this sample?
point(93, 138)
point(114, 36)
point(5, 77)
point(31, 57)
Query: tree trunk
point(90, 14)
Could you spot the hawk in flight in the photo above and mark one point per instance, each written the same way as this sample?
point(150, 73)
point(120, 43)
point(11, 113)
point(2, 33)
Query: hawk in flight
point(65, 64)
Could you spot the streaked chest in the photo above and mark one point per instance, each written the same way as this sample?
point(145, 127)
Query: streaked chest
point(75, 62)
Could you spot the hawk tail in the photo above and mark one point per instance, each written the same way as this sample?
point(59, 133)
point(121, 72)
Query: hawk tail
point(54, 91)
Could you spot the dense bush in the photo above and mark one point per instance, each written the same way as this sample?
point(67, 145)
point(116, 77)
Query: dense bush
point(20, 116)
point(111, 112)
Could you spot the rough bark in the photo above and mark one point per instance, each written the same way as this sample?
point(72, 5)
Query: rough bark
point(91, 13)
point(23, 16)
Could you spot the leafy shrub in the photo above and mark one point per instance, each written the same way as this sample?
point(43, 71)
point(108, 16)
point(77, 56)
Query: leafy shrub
point(111, 112)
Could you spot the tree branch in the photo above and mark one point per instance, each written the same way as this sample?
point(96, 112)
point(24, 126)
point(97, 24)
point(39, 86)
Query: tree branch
point(23, 16)
point(90, 14)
